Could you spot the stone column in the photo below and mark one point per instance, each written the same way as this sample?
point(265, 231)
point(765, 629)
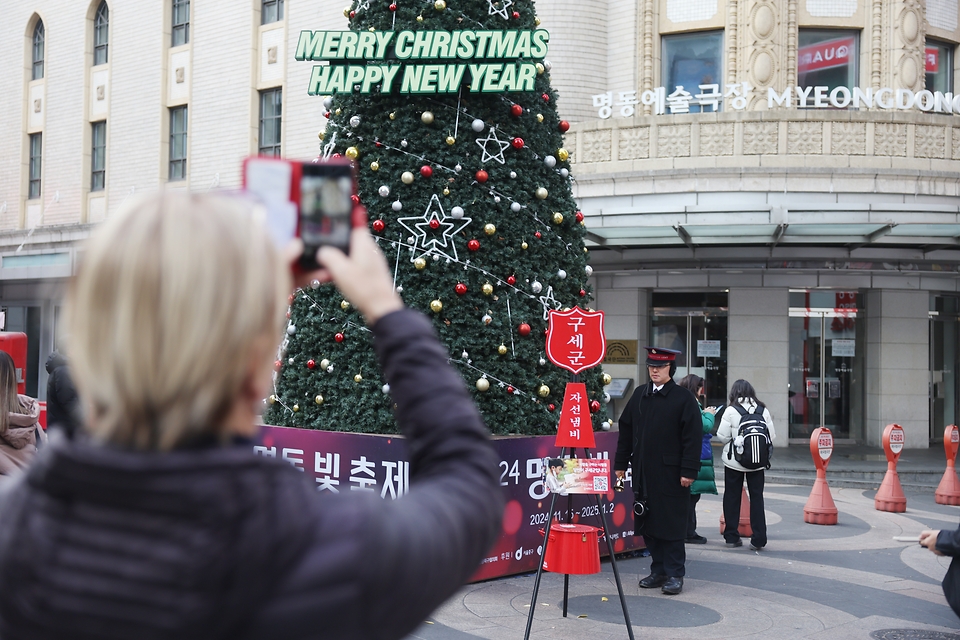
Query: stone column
point(758, 348)
point(903, 43)
point(762, 51)
point(898, 367)
point(626, 317)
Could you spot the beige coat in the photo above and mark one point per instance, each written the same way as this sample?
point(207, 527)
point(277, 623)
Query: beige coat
point(19, 444)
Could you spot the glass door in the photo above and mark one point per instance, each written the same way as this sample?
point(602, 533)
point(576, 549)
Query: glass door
point(944, 357)
point(700, 335)
point(827, 345)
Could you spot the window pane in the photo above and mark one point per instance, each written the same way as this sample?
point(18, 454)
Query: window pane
point(270, 120)
point(38, 42)
point(178, 143)
point(101, 34)
point(939, 65)
point(98, 156)
point(36, 146)
point(691, 60)
point(827, 59)
point(181, 22)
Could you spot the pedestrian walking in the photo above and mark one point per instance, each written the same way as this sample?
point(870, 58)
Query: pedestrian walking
point(163, 523)
point(20, 432)
point(63, 405)
point(660, 438)
point(706, 481)
point(743, 406)
point(946, 543)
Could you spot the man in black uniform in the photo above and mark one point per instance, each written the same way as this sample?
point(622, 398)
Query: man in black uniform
point(660, 436)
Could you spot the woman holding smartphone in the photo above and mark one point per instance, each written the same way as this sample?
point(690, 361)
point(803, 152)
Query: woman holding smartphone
point(161, 523)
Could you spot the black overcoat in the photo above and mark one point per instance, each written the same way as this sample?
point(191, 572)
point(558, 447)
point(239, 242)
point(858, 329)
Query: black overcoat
point(660, 435)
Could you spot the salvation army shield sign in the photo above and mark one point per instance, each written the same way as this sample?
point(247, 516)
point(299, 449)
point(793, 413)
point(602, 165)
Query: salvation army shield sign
point(575, 339)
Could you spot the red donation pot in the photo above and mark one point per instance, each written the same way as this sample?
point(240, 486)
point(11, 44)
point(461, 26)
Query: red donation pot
point(890, 494)
point(572, 548)
point(948, 492)
point(820, 508)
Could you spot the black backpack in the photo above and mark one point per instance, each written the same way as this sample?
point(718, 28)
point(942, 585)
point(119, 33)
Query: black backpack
point(757, 448)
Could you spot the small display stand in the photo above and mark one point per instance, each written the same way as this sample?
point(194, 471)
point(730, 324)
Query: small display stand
point(575, 342)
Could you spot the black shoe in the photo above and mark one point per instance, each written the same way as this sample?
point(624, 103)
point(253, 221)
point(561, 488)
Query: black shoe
point(653, 581)
point(755, 547)
point(696, 539)
point(672, 586)
point(737, 543)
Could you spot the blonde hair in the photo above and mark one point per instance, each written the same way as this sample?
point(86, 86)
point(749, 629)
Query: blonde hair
point(175, 296)
point(9, 400)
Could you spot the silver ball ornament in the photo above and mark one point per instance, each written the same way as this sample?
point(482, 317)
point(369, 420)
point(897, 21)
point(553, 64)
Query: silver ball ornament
point(327, 103)
point(562, 274)
point(292, 329)
point(355, 121)
point(457, 168)
point(385, 388)
point(547, 65)
point(536, 287)
point(588, 270)
point(456, 213)
point(477, 125)
point(384, 191)
point(397, 205)
point(515, 207)
point(564, 173)
point(550, 161)
point(513, 175)
point(314, 284)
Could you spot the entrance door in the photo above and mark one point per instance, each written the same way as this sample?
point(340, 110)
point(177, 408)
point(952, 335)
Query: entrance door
point(700, 335)
point(827, 346)
point(944, 357)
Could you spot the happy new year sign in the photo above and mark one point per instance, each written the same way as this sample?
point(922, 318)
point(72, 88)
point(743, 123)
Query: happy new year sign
point(496, 61)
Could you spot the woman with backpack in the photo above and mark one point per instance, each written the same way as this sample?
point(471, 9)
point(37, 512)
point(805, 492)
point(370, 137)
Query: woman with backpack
point(747, 411)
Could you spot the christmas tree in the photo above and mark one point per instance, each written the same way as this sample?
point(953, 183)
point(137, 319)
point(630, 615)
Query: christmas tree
point(460, 160)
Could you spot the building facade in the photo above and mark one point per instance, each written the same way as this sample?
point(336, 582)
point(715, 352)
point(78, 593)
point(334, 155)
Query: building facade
point(771, 186)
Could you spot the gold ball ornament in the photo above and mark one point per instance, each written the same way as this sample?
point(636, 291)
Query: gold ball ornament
point(406, 177)
point(524, 245)
point(322, 135)
point(374, 166)
point(318, 399)
point(358, 378)
point(557, 218)
point(502, 349)
point(352, 153)
point(426, 117)
point(338, 111)
point(482, 384)
point(436, 306)
point(451, 140)
point(536, 21)
point(585, 250)
point(543, 391)
point(393, 116)
point(440, 5)
point(420, 264)
point(344, 305)
point(540, 68)
point(607, 379)
point(296, 408)
point(346, 12)
point(272, 399)
point(563, 155)
point(419, 18)
point(487, 289)
point(542, 193)
point(489, 229)
point(324, 363)
point(539, 117)
point(446, 191)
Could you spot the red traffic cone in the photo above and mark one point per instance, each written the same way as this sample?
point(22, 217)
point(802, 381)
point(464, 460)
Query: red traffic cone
point(948, 492)
point(890, 494)
point(744, 527)
point(820, 508)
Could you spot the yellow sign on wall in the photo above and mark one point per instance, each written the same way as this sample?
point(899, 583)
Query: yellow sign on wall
point(621, 352)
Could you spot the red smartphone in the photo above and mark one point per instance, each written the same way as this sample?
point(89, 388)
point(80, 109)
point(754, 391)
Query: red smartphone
point(312, 201)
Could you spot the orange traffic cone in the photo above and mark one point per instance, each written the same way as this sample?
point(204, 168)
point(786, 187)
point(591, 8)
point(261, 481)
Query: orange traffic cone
point(890, 494)
point(948, 492)
point(744, 527)
point(820, 508)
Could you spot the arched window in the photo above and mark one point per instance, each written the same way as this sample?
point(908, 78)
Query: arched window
point(38, 37)
point(101, 34)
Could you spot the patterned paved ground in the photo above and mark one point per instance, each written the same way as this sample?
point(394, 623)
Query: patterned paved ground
point(846, 582)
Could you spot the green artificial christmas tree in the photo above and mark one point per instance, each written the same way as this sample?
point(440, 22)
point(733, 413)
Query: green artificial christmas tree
point(460, 161)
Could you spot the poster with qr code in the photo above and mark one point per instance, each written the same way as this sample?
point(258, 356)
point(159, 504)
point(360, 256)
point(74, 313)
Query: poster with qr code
point(578, 475)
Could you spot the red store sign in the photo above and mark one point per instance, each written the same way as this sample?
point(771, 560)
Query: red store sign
point(932, 57)
point(825, 55)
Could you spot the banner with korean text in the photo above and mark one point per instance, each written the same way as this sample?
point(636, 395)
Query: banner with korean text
point(340, 462)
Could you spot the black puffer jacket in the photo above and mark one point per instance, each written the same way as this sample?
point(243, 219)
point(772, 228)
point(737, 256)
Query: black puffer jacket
point(63, 405)
point(218, 543)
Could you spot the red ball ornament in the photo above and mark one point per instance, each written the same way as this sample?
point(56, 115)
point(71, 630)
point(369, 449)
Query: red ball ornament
point(338, 337)
point(393, 6)
point(336, 155)
point(516, 15)
point(311, 364)
point(564, 126)
point(579, 216)
point(524, 329)
point(517, 143)
point(546, 97)
point(551, 406)
point(378, 225)
point(353, 14)
point(473, 245)
point(511, 280)
point(516, 111)
point(434, 223)
point(509, 389)
point(378, 144)
point(290, 299)
point(461, 288)
point(426, 171)
point(288, 315)
point(355, 199)
point(481, 176)
point(582, 293)
point(276, 365)
point(537, 235)
point(594, 406)
point(326, 114)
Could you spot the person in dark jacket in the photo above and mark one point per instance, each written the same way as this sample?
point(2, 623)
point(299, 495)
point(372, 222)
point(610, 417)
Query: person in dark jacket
point(947, 543)
point(660, 438)
point(63, 405)
point(706, 480)
point(160, 522)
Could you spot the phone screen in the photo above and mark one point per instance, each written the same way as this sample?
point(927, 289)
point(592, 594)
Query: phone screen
point(325, 205)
